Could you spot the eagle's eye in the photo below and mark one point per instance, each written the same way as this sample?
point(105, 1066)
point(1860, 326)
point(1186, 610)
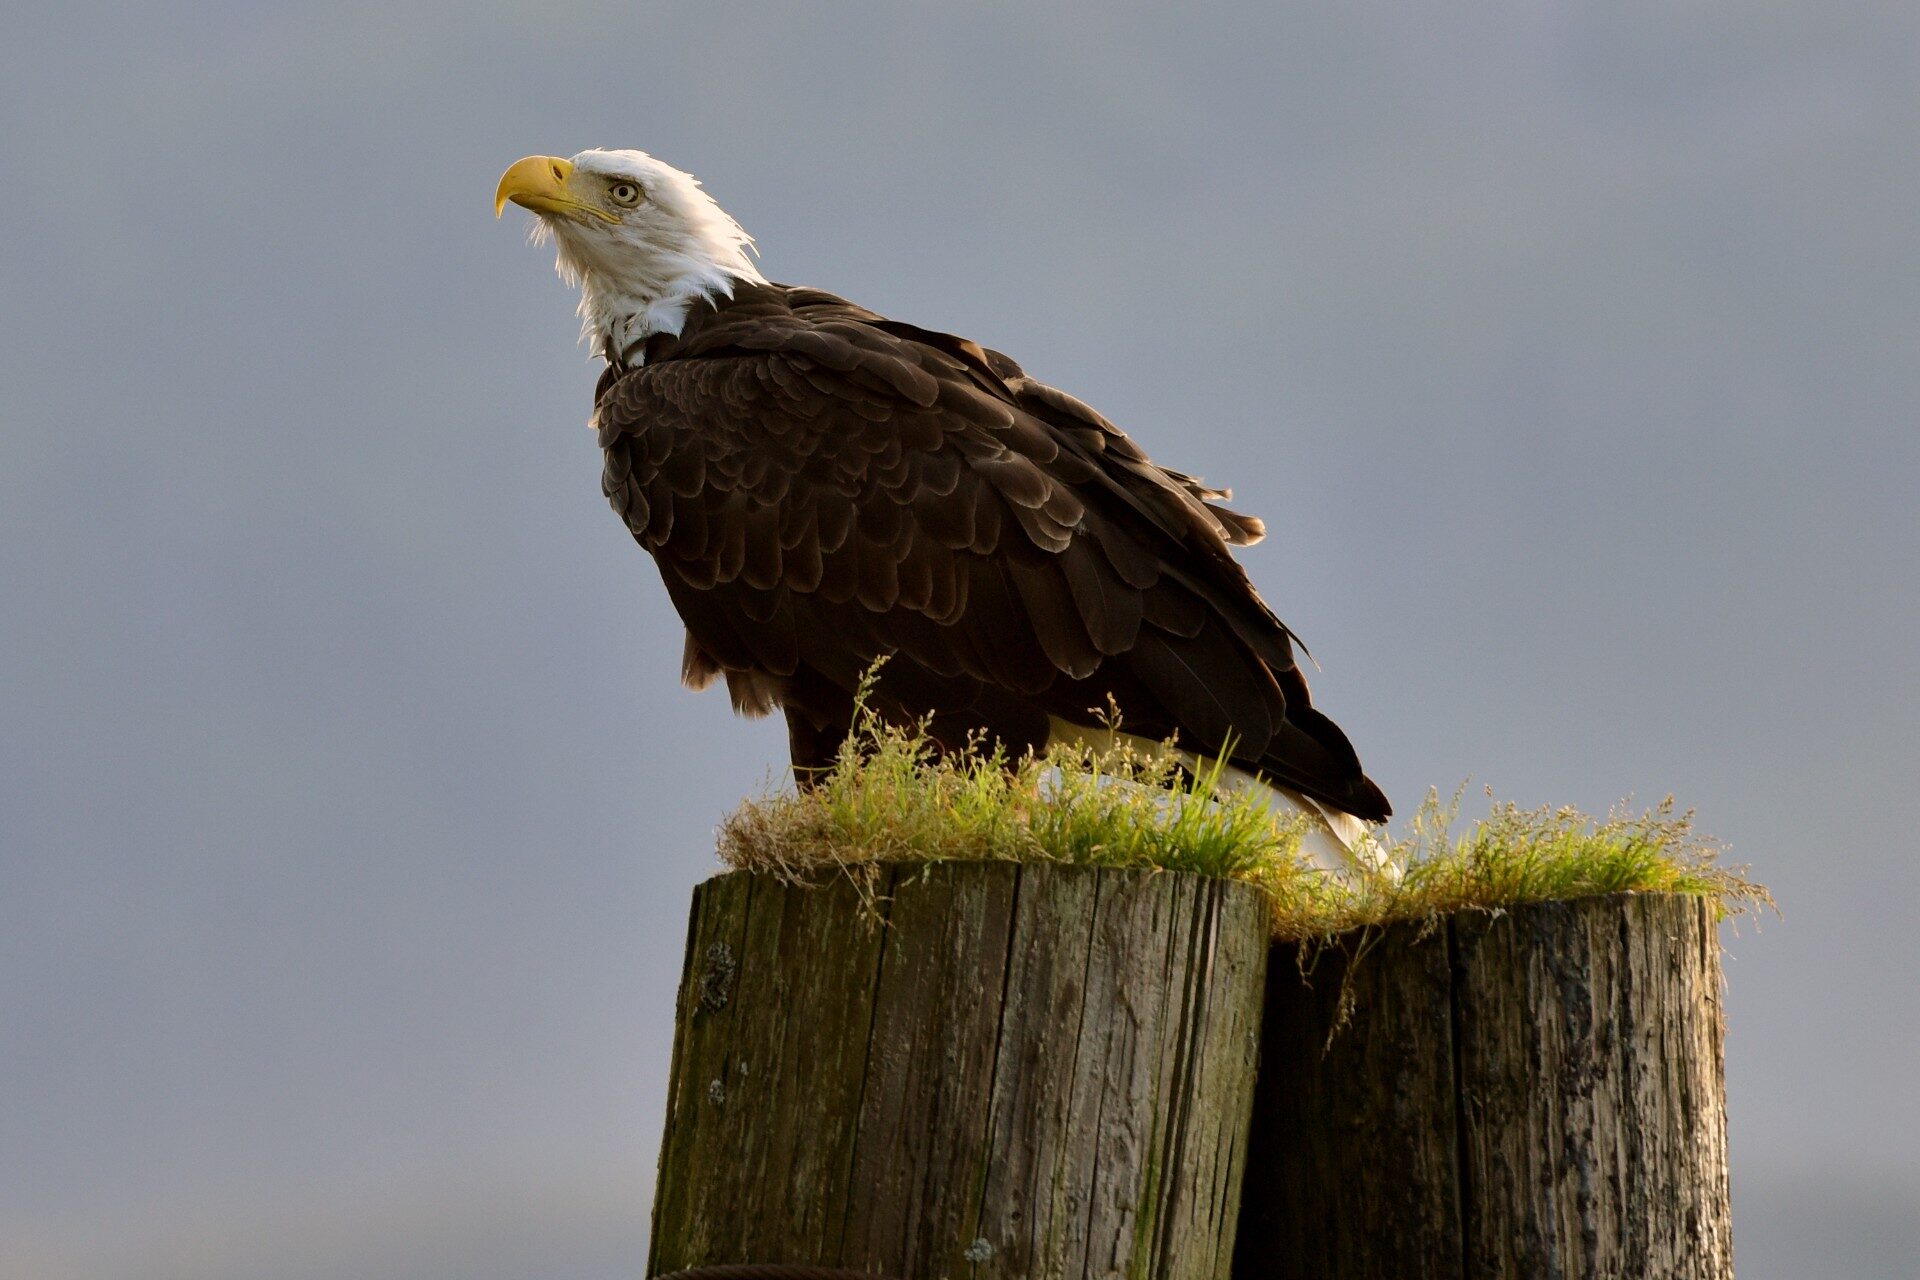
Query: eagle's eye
point(627, 193)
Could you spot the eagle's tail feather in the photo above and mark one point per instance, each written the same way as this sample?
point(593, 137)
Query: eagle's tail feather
point(1337, 842)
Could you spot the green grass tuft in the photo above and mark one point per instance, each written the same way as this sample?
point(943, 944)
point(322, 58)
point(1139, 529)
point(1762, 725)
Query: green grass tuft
point(892, 796)
point(1516, 855)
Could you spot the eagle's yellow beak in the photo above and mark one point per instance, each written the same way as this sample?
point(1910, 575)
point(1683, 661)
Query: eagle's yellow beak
point(544, 185)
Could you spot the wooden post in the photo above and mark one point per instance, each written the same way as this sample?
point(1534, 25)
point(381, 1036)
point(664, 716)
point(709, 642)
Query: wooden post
point(1535, 1093)
point(985, 1070)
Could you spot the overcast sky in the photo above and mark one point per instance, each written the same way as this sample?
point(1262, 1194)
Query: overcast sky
point(349, 804)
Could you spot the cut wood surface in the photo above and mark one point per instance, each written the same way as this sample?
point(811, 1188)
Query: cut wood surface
point(989, 1070)
point(1536, 1093)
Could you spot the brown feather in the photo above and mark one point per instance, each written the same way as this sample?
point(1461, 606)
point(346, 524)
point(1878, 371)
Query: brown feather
point(1050, 611)
point(822, 486)
point(1109, 608)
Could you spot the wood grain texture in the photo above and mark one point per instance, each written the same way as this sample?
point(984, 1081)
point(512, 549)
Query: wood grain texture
point(995, 1071)
point(1590, 1059)
point(1537, 1093)
point(1353, 1159)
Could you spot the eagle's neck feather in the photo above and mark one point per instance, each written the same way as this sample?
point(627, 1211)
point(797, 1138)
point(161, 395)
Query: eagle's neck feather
point(632, 288)
point(618, 318)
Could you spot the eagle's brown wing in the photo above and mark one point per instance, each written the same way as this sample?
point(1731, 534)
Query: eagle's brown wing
point(821, 487)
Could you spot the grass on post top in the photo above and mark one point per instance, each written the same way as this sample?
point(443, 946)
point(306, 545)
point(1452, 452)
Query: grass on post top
point(892, 796)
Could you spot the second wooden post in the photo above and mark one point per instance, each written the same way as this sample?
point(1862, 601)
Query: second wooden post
point(1536, 1092)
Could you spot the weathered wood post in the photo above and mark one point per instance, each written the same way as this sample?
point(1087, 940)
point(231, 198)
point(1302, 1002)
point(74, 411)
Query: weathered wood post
point(1531, 1094)
point(968, 1069)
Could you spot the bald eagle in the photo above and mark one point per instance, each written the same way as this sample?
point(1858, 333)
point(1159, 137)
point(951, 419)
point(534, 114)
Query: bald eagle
point(822, 487)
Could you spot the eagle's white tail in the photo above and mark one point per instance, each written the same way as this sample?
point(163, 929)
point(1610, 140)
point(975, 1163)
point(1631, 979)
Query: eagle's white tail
point(1336, 842)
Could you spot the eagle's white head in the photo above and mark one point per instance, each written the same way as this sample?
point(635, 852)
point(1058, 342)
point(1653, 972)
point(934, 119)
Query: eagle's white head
point(639, 237)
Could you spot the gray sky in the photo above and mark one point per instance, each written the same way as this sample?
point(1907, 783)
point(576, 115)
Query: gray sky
point(348, 801)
